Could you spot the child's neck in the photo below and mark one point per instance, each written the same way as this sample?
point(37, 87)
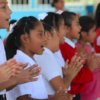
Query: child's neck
point(69, 37)
point(60, 9)
point(27, 52)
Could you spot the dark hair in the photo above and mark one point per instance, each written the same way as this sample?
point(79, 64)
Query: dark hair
point(47, 28)
point(53, 3)
point(68, 17)
point(23, 26)
point(86, 23)
point(97, 16)
point(53, 19)
point(12, 22)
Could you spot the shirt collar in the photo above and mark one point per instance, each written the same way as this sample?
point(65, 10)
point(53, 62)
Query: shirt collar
point(26, 57)
point(69, 42)
point(47, 50)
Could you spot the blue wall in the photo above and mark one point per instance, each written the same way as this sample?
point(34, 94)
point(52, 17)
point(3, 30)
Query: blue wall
point(35, 9)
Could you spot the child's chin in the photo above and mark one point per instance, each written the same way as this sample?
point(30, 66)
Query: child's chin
point(77, 37)
point(40, 53)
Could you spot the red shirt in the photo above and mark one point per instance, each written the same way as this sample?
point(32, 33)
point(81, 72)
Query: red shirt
point(97, 47)
point(68, 50)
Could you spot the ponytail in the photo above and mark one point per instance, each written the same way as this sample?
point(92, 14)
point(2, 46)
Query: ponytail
point(10, 45)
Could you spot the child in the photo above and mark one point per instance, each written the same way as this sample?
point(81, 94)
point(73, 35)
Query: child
point(20, 78)
point(58, 4)
point(87, 34)
point(53, 20)
point(68, 50)
point(51, 71)
point(26, 40)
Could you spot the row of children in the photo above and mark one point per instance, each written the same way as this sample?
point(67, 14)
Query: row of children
point(67, 71)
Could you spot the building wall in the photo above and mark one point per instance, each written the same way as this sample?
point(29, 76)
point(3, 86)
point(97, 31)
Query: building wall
point(33, 9)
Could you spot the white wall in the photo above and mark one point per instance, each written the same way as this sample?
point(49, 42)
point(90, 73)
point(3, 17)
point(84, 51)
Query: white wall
point(95, 4)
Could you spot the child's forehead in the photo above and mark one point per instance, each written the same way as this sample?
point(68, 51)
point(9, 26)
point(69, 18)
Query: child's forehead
point(3, 2)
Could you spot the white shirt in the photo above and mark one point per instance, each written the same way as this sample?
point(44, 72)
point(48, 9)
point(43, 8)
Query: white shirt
point(59, 58)
point(98, 41)
point(2, 59)
point(50, 68)
point(69, 42)
point(34, 90)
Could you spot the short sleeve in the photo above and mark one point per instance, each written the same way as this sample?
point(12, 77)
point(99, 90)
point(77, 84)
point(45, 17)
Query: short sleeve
point(98, 41)
point(23, 89)
point(49, 67)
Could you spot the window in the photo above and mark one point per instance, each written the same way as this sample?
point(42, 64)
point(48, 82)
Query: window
point(72, 0)
point(19, 2)
point(45, 1)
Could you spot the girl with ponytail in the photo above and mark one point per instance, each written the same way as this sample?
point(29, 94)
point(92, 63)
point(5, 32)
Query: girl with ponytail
point(26, 40)
point(11, 72)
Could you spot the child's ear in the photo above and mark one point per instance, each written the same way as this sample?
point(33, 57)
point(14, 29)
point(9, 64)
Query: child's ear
point(83, 34)
point(24, 38)
point(48, 36)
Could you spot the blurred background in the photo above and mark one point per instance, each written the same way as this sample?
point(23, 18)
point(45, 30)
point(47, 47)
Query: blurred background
point(22, 8)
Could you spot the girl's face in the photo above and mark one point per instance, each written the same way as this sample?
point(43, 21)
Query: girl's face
point(36, 40)
point(4, 14)
point(75, 28)
point(60, 4)
point(90, 36)
point(61, 33)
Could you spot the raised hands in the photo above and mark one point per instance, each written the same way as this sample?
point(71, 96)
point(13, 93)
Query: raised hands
point(72, 69)
point(28, 74)
point(82, 49)
point(94, 62)
point(9, 69)
point(62, 95)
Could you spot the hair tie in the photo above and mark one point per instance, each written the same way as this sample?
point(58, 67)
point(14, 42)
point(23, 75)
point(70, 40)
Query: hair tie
point(29, 19)
point(25, 23)
point(59, 12)
point(42, 16)
point(11, 27)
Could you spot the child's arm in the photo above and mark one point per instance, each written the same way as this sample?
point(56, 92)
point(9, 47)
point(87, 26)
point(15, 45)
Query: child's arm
point(59, 95)
point(25, 76)
point(69, 73)
point(63, 97)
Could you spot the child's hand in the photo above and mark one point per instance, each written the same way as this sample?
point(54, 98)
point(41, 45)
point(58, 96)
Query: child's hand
point(89, 56)
point(71, 70)
point(94, 62)
point(82, 49)
point(62, 95)
point(7, 70)
point(15, 67)
point(4, 73)
point(28, 74)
